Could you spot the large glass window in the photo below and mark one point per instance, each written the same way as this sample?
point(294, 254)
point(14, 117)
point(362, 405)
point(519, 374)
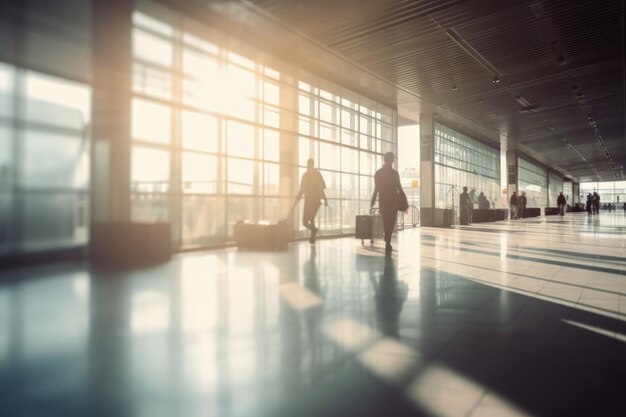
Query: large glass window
point(218, 137)
point(44, 161)
point(609, 191)
point(461, 161)
point(533, 180)
point(568, 191)
point(555, 186)
point(339, 133)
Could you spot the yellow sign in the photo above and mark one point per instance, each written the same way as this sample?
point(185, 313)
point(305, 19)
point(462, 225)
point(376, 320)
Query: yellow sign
point(415, 183)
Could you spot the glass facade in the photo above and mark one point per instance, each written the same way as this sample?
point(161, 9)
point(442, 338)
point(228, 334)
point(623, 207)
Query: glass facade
point(568, 192)
point(347, 136)
point(218, 137)
point(533, 180)
point(609, 191)
point(44, 161)
point(555, 186)
point(205, 130)
point(462, 161)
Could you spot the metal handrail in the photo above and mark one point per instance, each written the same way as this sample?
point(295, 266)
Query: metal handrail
point(414, 214)
point(453, 217)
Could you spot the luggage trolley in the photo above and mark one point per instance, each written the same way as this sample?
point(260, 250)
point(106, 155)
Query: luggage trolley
point(368, 226)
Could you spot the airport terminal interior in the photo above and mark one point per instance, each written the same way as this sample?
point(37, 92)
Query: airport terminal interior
point(156, 259)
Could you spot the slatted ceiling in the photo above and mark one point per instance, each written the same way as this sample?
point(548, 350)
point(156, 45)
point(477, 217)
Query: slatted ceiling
point(579, 14)
point(401, 41)
point(374, 24)
point(512, 50)
point(399, 46)
point(560, 97)
point(332, 22)
point(437, 70)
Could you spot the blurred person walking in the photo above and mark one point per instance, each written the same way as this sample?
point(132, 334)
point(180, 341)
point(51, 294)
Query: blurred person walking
point(513, 206)
point(312, 188)
point(391, 197)
point(521, 205)
point(560, 202)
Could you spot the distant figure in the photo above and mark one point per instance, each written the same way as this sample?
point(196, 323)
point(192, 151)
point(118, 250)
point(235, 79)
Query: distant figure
point(560, 202)
point(595, 200)
point(465, 204)
point(312, 188)
point(483, 203)
point(472, 197)
point(521, 205)
point(387, 187)
point(513, 206)
point(589, 203)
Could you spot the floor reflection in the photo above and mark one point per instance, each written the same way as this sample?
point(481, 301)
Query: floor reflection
point(506, 319)
point(389, 294)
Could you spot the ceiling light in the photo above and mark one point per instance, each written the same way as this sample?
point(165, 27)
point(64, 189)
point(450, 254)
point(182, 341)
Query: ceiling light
point(454, 87)
point(495, 79)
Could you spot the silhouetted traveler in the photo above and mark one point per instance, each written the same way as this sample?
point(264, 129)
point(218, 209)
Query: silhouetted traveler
point(513, 205)
point(595, 199)
point(521, 205)
point(483, 203)
point(388, 189)
point(312, 188)
point(560, 202)
point(588, 204)
point(465, 205)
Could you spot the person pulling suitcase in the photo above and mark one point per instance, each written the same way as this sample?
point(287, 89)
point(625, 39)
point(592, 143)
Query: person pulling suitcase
point(391, 197)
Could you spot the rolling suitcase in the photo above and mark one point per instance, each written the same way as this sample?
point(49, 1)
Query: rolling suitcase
point(368, 227)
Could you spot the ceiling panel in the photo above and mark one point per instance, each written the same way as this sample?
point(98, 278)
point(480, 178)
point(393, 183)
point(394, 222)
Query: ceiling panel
point(558, 61)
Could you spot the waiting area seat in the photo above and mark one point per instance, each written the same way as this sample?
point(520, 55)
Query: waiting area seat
point(129, 244)
point(488, 215)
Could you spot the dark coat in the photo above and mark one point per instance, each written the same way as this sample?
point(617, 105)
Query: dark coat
point(388, 187)
point(312, 186)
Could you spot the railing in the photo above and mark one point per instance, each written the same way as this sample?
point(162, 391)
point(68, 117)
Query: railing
point(454, 190)
point(412, 217)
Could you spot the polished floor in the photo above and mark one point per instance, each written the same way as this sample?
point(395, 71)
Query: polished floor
point(513, 318)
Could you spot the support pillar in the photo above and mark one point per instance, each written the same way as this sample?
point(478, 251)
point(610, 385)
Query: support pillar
point(427, 169)
point(512, 170)
point(110, 151)
point(575, 192)
point(288, 147)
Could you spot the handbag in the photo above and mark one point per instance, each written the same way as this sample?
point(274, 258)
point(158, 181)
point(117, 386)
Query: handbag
point(403, 203)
